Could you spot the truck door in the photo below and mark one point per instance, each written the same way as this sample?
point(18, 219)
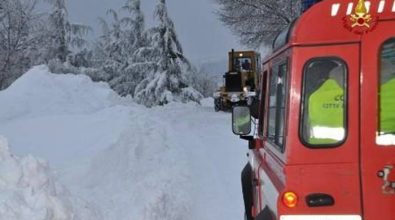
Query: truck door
point(378, 122)
point(330, 162)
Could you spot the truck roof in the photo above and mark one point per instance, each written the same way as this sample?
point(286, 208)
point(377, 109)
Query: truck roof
point(248, 53)
point(329, 22)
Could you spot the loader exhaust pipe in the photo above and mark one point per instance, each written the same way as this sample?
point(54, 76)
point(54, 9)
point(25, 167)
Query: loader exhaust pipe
point(233, 60)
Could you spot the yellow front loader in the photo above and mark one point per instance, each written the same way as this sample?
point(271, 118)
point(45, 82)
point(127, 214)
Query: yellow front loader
point(240, 81)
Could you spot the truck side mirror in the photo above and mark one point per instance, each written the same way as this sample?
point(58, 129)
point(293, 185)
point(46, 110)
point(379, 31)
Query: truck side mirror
point(241, 120)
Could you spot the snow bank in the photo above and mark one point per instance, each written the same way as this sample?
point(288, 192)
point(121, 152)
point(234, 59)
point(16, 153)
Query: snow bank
point(61, 117)
point(38, 92)
point(172, 162)
point(145, 170)
point(207, 102)
point(28, 191)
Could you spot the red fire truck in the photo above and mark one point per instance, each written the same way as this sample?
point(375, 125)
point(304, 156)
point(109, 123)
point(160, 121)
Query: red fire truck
point(324, 144)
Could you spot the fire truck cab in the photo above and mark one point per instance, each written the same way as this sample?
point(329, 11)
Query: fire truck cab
point(324, 144)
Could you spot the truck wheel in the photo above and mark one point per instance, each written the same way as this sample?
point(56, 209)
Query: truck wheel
point(246, 183)
point(217, 104)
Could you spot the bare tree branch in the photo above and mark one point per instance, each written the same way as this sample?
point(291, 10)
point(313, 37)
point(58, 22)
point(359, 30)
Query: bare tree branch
point(257, 22)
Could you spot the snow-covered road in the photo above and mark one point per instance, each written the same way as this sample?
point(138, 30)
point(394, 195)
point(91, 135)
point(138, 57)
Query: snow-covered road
point(120, 160)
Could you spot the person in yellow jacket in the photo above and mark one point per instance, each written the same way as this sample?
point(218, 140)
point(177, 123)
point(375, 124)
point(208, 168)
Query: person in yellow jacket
point(387, 107)
point(326, 111)
point(387, 98)
point(386, 117)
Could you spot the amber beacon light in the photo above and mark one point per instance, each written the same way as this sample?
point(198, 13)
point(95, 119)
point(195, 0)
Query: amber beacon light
point(290, 199)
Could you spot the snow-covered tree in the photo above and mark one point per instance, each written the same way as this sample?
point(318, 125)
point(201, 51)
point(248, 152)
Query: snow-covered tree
point(204, 83)
point(61, 33)
point(135, 25)
point(58, 28)
point(257, 22)
point(133, 38)
point(169, 78)
point(29, 38)
point(110, 45)
point(18, 38)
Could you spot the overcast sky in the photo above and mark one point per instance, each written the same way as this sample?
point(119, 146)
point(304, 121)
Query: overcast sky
point(202, 35)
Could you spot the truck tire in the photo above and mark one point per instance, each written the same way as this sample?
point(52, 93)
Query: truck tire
point(265, 214)
point(217, 104)
point(246, 183)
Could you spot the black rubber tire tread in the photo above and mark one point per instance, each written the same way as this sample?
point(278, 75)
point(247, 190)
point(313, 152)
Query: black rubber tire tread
point(247, 188)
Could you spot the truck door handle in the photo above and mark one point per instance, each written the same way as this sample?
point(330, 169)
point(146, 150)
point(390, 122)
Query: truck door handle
point(385, 172)
point(388, 187)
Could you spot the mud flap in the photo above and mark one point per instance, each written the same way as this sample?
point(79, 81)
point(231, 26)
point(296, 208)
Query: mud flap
point(265, 214)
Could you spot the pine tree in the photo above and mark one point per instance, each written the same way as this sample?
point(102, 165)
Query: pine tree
point(133, 38)
point(59, 27)
point(111, 45)
point(168, 80)
point(135, 24)
point(62, 34)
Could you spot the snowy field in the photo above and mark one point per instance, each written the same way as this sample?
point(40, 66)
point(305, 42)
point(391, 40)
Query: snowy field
point(73, 149)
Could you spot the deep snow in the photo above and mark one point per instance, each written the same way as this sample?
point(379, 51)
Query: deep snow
point(112, 159)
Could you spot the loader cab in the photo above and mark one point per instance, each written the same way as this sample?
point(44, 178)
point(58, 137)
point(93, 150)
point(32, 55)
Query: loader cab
point(242, 71)
point(324, 147)
point(242, 64)
point(240, 81)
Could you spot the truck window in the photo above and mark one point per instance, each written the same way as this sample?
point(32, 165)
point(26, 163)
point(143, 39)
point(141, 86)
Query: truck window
point(242, 64)
point(323, 113)
point(386, 93)
point(277, 98)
